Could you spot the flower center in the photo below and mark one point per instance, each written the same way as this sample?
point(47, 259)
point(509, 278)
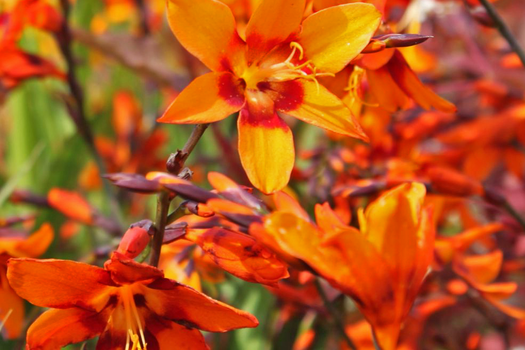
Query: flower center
point(133, 321)
point(288, 69)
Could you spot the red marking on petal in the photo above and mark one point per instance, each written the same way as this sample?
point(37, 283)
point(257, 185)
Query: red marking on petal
point(262, 120)
point(290, 97)
point(231, 90)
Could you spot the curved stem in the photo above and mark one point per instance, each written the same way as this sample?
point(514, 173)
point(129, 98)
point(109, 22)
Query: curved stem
point(504, 30)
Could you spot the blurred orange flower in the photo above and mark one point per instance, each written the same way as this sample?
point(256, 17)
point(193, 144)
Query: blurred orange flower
point(381, 267)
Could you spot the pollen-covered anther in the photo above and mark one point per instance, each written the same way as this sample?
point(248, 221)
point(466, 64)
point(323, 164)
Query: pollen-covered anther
point(354, 82)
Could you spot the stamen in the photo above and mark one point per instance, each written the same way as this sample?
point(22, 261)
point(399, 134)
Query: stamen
point(133, 322)
point(139, 323)
point(294, 46)
point(353, 86)
point(4, 320)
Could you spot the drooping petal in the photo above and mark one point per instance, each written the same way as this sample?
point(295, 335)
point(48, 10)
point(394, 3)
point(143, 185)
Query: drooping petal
point(57, 328)
point(209, 98)
point(319, 107)
point(272, 22)
point(385, 90)
point(332, 37)
point(266, 149)
point(207, 29)
point(190, 308)
point(11, 309)
point(242, 256)
point(408, 81)
point(60, 283)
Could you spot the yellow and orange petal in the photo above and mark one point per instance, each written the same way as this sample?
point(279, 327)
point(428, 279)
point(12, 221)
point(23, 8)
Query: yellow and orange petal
point(207, 29)
point(346, 30)
point(209, 98)
point(266, 149)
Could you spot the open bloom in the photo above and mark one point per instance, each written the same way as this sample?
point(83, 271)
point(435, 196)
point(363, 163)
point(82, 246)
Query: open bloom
point(381, 266)
point(130, 305)
point(273, 70)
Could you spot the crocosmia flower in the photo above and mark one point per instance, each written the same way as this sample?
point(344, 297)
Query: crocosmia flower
point(273, 70)
point(128, 304)
point(381, 266)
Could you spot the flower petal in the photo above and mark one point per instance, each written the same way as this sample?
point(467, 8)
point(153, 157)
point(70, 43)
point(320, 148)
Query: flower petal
point(166, 332)
point(11, 309)
point(36, 244)
point(207, 29)
point(60, 283)
point(327, 219)
point(190, 308)
point(242, 256)
point(266, 149)
point(385, 90)
point(209, 98)
point(332, 37)
point(57, 328)
point(392, 227)
point(127, 271)
point(319, 107)
point(272, 22)
point(71, 204)
point(408, 81)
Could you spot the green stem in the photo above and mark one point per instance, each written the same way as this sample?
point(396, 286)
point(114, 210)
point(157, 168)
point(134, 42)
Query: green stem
point(163, 205)
point(174, 165)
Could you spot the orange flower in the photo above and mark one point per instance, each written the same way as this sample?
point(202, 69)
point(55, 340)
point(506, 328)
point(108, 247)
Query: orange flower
point(130, 305)
point(392, 82)
point(71, 204)
point(381, 267)
point(11, 305)
point(274, 70)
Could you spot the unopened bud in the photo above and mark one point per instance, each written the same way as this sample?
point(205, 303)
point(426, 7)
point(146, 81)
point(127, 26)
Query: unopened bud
point(402, 40)
point(134, 241)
